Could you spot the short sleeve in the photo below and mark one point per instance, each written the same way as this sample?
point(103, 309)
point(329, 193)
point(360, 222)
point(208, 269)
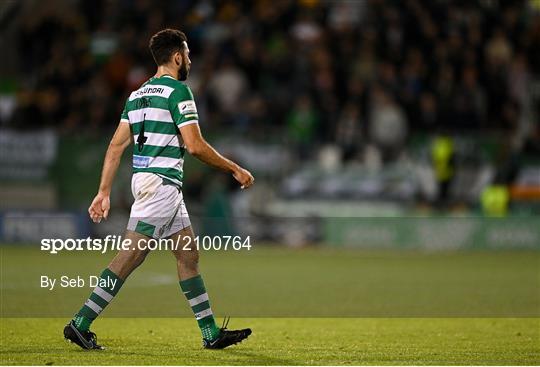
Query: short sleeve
point(124, 117)
point(182, 107)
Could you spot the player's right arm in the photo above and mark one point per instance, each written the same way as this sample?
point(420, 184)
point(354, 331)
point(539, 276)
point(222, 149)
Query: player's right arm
point(120, 141)
point(198, 147)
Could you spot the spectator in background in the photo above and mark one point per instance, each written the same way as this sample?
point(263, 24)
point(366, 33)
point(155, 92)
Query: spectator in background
point(228, 86)
point(428, 114)
point(519, 80)
point(349, 131)
point(444, 166)
point(498, 50)
point(495, 200)
point(498, 54)
point(364, 63)
point(444, 89)
point(306, 30)
point(346, 15)
point(411, 80)
point(442, 64)
point(469, 103)
point(388, 125)
point(302, 123)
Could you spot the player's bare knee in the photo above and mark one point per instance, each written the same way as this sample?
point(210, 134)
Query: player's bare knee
point(189, 260)
point(128, 261)
point(138, 257)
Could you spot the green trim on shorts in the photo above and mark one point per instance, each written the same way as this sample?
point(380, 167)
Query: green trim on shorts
point(145, 228)
point(167, 181)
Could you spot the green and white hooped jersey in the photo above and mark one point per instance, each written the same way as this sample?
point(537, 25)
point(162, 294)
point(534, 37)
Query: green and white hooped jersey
point(155, 112)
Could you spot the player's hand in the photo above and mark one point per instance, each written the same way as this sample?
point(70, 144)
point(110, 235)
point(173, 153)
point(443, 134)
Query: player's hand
point(99, 208)
point(244, 177)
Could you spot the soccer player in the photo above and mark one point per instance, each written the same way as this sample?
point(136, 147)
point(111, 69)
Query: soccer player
point(161, 119)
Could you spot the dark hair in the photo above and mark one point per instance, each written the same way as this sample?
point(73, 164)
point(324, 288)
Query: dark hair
point(164, 43)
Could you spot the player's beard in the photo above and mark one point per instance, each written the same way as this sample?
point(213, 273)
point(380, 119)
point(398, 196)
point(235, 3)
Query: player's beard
point(183, 72)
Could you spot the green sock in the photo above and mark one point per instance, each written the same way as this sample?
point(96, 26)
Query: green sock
point(197, 297)
point(108, 286)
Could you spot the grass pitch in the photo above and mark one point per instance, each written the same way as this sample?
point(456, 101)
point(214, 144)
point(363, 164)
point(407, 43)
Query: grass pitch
point(282, 342)
point(313, 306)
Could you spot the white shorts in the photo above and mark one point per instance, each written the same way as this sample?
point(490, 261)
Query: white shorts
point(159, 210)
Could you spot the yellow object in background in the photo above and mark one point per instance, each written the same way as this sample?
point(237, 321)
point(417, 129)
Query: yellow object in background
point(495, 200)
point(441, 153)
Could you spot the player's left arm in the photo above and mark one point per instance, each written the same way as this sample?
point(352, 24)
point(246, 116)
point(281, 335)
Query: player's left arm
point(185, 116)
point(101, 204)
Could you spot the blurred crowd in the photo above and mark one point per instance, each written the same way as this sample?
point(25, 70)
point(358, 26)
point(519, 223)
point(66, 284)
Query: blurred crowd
point(304, 72)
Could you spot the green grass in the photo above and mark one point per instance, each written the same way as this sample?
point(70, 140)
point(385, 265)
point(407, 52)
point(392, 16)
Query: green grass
point(311, 306)
point(277, 282)
point(282, 342)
